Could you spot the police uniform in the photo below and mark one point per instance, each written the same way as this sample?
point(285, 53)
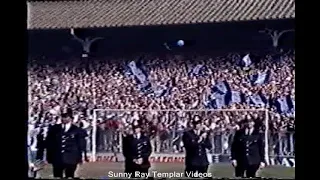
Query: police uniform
point(134, 148)
point(64, 149)
point(196, 155)
point(248, 150)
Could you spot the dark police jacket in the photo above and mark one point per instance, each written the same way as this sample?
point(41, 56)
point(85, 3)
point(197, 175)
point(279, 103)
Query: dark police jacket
point(134, 148)
point(196, 154)
point(64, 147)
point(248, 149)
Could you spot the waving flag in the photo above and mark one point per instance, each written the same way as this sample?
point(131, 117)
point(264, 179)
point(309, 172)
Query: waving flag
point(246, 60)
point(206, 101)
point(221, 87)
point(159, 91)
point(260, 78)
point(291, 102)
point(138, 73)
point(235, 97)
point(197, 70)
point(218, 101)
point(286, 105)
point(221, 95)
point(141, 76)
point(256, 100)
point(282, 105)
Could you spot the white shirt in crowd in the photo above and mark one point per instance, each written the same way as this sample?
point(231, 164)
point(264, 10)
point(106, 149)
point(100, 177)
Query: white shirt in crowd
point(213, 126)
point(137, 135)
point(76, 118)
point(66, 126)
point(206, 128)
point(85, 124)
point(249, 131)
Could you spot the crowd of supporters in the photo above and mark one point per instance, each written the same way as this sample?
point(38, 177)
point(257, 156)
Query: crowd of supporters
point(153, 82)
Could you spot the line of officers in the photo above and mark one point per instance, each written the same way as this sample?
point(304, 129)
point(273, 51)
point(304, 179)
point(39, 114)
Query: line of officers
point(247, 150)
point(65, 146)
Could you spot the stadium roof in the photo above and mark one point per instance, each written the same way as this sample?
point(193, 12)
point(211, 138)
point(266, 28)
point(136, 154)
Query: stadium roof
point(121, 13)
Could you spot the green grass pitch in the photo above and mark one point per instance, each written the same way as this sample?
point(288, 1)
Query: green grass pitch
point(97, 170)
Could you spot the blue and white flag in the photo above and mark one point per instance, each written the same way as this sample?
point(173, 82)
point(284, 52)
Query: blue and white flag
point(197, 70)
point(246, 60)
point(282, 105)
point(293, 109)
point(260, 78)
point(141, 77)
point(127, 71)
point(221, 91)
point(145, 88)
point(256, 100)
point(221, 87)
point(206, 101)
point(246, 99)
point(159, 91)
point(291, 102)
point(138, 73)
point(235, 97)
point(291, 106)
point(219, 101)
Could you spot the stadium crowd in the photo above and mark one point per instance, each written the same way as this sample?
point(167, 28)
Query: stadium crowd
point(164, 82)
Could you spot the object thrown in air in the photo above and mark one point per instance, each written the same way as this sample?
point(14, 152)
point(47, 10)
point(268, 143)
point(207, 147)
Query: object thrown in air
point(180, 43)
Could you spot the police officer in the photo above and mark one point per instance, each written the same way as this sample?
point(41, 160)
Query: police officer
point(136, 150)
point(247, 150)
point(64, 145)
point(196, 142)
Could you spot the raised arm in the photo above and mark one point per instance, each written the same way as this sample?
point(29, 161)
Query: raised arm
point(95, 39)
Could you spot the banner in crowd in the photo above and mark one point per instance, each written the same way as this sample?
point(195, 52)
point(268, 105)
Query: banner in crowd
point(140, 75)
point(260, 78)
point(197, 70)
point(180, 158)
point(247, 60)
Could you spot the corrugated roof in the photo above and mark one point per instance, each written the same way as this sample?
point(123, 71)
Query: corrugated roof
point(119, 13)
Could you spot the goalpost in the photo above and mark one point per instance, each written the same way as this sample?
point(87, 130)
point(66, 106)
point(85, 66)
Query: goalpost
point(206, 113)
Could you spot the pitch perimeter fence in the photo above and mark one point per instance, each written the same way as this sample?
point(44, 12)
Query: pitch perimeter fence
point(165, 128)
